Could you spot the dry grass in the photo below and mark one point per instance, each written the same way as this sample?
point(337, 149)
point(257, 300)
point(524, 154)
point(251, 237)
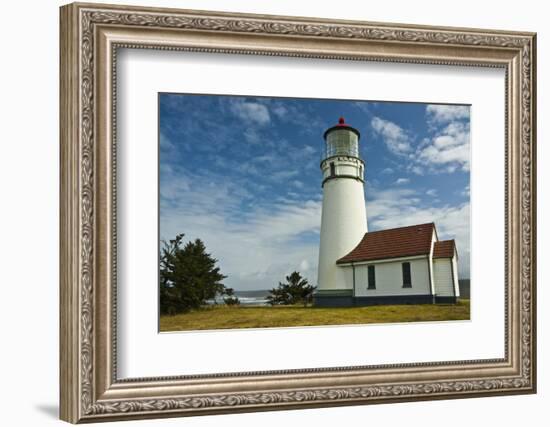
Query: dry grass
point(224, 317)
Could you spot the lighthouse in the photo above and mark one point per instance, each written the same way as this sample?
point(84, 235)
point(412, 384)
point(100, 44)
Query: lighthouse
point(344, 216)
point(403, 265)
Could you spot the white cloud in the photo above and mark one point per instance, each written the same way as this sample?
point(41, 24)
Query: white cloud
point(309, 151)
point(395, 138)
point(165, 142)
point(401, 181)
point(248, 169)
point(306, 117)
point(417, 170)
point(269, 158)
point(280, 111)
point(449, 148)
point(400, 207)
point(432, 192)
point(252, 136)
point(447, 113)
point(251, 112)
point(256, 247)
point(387, 171)
point(367, 107)
point(282, 175)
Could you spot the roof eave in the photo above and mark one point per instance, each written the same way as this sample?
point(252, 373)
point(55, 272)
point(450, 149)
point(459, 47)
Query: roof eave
point(421, 254)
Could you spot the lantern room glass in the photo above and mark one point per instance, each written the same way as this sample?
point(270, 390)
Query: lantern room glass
point(342, 142)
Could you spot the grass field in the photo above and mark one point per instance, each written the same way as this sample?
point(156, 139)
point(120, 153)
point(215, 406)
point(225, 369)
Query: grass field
point(224, 317)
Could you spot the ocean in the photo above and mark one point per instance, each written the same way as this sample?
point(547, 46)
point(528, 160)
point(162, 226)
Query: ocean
point(256, 298)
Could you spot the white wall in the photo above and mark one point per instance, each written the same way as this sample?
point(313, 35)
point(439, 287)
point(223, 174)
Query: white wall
point(343, 166)
point(443, 277)
point(431, 264)
point(343, 225)
point(455, 275)
point(29, 215)
point(389, 278)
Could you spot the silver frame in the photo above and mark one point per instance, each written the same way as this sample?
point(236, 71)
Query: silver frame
point(90, 37)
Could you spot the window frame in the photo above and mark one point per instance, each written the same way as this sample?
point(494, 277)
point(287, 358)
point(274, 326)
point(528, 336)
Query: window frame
point(409, 273)
point(369, 285)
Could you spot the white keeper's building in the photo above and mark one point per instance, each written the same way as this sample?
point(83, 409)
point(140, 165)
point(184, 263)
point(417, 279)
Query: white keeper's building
point(357, 267)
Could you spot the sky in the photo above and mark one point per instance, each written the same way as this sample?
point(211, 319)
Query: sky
point(242, 174)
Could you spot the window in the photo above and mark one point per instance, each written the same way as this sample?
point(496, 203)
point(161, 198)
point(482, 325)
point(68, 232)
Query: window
point(332, 169)
point(372, 277)
point(342, 142)
point(360, 171)
point(406, 267)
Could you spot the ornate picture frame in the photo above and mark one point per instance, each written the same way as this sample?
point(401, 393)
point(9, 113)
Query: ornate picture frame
point(90, 37)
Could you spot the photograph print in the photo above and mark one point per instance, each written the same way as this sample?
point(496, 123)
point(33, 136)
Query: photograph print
point(288, 212)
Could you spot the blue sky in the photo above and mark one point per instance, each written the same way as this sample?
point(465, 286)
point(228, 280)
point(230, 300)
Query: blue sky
point(242, 174)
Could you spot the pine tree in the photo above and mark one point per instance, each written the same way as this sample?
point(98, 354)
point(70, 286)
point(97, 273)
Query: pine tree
point(188, 276)
point(230, 298)
point(296, 290)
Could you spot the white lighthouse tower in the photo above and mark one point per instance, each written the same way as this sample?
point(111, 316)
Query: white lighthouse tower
point(344, 216)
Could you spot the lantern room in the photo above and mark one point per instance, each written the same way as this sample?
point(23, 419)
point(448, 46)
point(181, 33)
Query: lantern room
point(342, 140)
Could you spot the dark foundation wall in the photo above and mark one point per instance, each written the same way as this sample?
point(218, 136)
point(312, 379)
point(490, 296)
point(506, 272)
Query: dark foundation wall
point(333, 298)
point(394, 299)
point(345, 299)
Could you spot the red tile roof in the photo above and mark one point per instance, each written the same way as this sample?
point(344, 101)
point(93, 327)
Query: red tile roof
point(444, 249)
point(392, 243)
